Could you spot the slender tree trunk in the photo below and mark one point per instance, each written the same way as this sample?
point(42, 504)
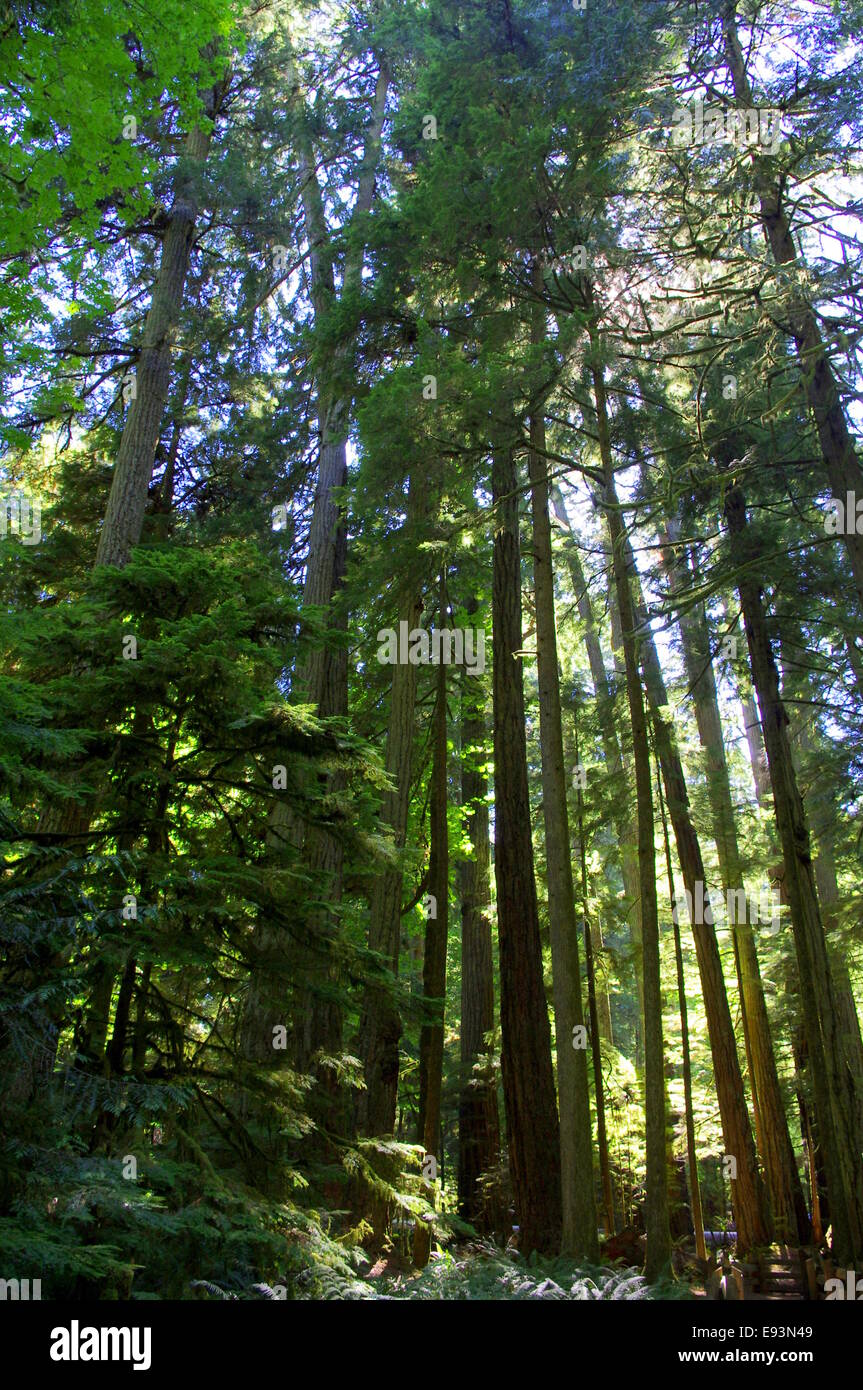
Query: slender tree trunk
point(434, 961)
point(689, 1114)
point(747, 1190)
point(832, 1086)
point(771, 1125)
point(656, 1205)
point(380, 1025)
point(593, 1013)
point(478, 1122)
point(611, 743)
point(533, 1133)
point(323, 679)
point(819, 805)
point(578, 1236)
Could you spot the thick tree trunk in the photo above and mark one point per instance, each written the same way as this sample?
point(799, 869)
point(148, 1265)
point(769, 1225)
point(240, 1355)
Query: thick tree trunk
point(834, 1097)
point(533, 1133)
point(656, 1205)
point(133, 469)
point(578, 1236)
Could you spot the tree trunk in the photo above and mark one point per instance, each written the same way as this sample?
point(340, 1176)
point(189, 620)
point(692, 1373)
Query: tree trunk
point(611, 744)
point(127, 502)
point(380, 1025)
point(656, 1205)
point(323, 679)
point(593, 1014)
point(689, 1116)
point(478, 1122)
point(834, 1098)
point(819, 805)
point(747, 1190)
point(533, 1133)
point(787, 1205)
point(578, 1235)
point(434, 960)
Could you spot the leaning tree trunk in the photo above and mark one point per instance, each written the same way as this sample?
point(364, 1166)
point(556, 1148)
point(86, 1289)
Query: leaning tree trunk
point(834, 1099)
point(689, 1116)
point(133, 469)
point(532, 1128)
point(656, 1205)
point(747, 1190)
point(787, 1204)
point(121, 529)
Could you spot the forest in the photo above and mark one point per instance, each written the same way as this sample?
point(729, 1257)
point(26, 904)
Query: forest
point(431, 554)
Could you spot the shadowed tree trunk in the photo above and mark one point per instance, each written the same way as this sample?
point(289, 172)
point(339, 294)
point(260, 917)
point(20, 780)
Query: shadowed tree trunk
point(819, 806)
point(578, 1235)
point(533, 1135)
point(434, 960)
point(322, 681)
point(380, 1025)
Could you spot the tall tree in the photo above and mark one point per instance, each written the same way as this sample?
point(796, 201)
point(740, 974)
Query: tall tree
point(532, 1127)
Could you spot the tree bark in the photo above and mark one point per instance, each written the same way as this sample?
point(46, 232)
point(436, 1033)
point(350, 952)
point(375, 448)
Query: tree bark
point(434, 960)
point(624, 820)
point(533, 1134)
point(656, 1205)
point(127, 502)
point(689, 1116)
point(787, 1204)
point(747, 1190)
point(478, 1122)
point(380, 1025)
point(578, 1234)
point(834, 1097)
point(593, 1014)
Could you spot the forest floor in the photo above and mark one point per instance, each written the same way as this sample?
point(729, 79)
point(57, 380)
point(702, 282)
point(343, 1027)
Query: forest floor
point(484, 1272)
point(472, 1270)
